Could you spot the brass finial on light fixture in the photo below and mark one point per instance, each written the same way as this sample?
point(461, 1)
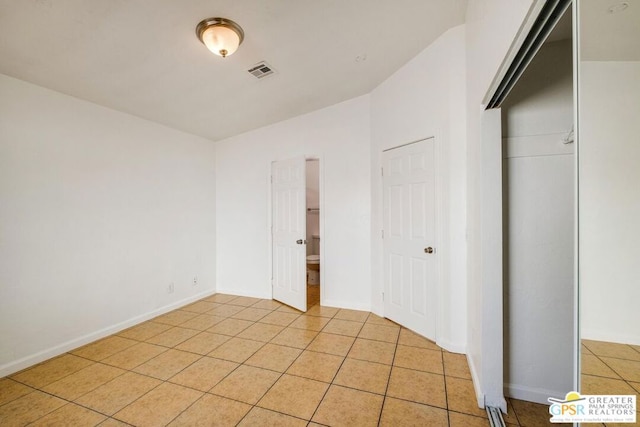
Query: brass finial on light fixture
point(221, 36)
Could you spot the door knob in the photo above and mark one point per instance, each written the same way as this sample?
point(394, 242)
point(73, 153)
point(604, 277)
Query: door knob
point(428, 250)
point(301, 242)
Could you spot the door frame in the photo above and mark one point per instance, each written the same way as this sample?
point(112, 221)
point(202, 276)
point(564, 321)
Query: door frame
point(269, 223)
point(440, 235)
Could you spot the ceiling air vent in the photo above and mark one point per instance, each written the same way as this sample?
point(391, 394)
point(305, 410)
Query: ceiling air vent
point(261, 70)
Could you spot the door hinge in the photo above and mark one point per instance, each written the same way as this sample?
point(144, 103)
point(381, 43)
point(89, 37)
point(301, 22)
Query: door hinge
point(382, 233)
point(382, 171)
point(271, 178)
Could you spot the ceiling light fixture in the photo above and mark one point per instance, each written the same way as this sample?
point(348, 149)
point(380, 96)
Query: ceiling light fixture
point(221, 36)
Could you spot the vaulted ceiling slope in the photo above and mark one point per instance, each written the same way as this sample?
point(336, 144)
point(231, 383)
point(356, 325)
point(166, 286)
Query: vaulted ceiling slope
point(142, 56)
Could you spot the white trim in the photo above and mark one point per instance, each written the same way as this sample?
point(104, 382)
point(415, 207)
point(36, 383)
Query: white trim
point(342, 304)
point(523, 32)
point(532, 394)
point(452, 347)
point(27, 361)
point(240, 293)
point(475, 380)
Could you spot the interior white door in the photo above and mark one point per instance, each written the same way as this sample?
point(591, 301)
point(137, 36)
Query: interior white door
point(409, 237)
point(288, 192)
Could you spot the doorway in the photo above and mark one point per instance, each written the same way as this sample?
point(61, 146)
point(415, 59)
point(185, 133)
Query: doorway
point(409, 236)
point(314, 278)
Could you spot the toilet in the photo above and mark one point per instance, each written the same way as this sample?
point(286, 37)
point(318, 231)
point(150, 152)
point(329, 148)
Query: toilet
point(313, 261)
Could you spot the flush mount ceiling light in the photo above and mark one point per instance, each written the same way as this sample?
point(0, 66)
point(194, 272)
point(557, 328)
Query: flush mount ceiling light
point(221, 36)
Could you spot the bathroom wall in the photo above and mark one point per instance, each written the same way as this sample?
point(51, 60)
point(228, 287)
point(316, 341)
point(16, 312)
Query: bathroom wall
point(539, 187)
point(101, 212)
point(313, 201)
point(339, 137)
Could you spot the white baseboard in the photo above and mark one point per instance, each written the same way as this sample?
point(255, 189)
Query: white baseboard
point(609, 336)
point(452, 347)
point(476, 382)
point(240, 293)
point(41, 356)
point(532, 394)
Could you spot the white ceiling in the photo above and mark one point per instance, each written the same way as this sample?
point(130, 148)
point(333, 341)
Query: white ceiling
point(142, 56)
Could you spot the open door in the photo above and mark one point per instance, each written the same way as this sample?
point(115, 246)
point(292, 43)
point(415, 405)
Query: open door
point(288, 223)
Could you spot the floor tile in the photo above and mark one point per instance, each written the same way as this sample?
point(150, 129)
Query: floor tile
point(203, 343)
point(316, 366)
point(312, 323)
point(398, 412)
point(531, 414)
point(421, 359)
point(201, 306)
point(261, 332)
point(51, 370)
point(246, 384)
point(230, 327)
point(599, 385)
point(167, 364)
point(251, 314)
point(461, 397)
point(372, 351)
point(274, 357)
point(609, 349)
point(259, 417)
point(28, 408)
point(353, 315)
point(159, 406)
point(204, 374)
point(286, 309)
point(221, 298)
point(202, 322)
point(175, 318)
point(75, 385)
point(135, 355)
point(377, 320)
point(322, 311)
point(417, 386)
point(226, 310)
point(627, 369)
point(363, 375)
point(464, 420)
point(236, 350)
point(332, 344)
point(412, 339)
point(375, 332)
point(212, 411)
point(172, 337)
point(70, 415)
point(267, 304)
point(636, 386)
point(343, 327)
point(12, 390)
point(111, 397)
point(592, 365)
point(104, 348)
point(455, 365)
point(298, 338)
point(144, 331)
point(110, 422)
point(294, 396)
point(347, 407)
point(510, 417)
point(279, 318)
point(244, 301)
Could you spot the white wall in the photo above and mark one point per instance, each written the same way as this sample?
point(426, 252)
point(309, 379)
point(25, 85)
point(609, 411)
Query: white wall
point(491, 27)
point(339, 137)
point(539, 235)
point(609, 200)
point(425, 98)
point(100, 212)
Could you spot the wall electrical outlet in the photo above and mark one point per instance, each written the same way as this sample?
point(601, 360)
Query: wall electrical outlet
point(195, 280)
point(170, 288)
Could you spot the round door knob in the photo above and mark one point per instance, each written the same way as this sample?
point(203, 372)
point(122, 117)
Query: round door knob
point(428, 250)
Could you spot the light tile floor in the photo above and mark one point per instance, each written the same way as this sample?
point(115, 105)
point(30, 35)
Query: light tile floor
point(228, 360)
point(610, 368)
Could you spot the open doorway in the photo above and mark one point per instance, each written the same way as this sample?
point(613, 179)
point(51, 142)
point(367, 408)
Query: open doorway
point(314, 278)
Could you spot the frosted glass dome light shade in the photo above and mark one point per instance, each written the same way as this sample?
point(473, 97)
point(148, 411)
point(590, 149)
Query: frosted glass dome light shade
point(221, 36)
